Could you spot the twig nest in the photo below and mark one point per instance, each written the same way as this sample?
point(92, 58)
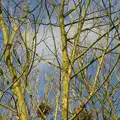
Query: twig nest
point(86, 115)
point(44, 108)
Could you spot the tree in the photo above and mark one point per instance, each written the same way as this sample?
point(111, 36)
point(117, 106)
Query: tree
point(82, 63)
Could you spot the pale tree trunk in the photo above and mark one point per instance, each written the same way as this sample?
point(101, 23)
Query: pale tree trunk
point(22, 107)
point(66, 66)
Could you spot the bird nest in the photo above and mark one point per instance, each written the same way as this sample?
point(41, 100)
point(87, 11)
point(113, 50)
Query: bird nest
point(43, 109)
point(86, 115)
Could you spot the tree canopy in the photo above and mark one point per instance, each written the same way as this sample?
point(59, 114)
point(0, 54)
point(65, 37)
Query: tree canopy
point(59, 59)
